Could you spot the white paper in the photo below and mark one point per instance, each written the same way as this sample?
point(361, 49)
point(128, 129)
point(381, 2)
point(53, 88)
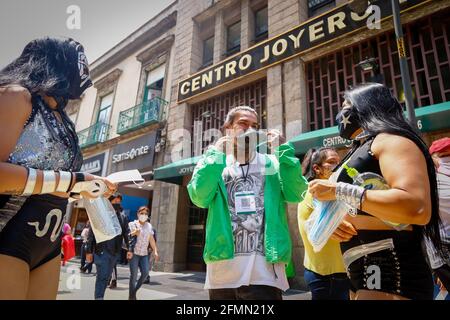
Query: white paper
point(126, 176)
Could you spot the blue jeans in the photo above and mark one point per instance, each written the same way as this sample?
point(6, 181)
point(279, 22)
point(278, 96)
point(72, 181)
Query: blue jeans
point(141, 262)
point(335, 286)
point(105, 263)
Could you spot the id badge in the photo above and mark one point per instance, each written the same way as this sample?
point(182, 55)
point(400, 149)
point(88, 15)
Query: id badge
point(245, 202)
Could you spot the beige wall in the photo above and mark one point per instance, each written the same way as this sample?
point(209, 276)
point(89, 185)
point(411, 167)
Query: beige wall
point(126, 91)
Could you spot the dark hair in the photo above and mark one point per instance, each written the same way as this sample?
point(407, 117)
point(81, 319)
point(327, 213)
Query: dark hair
point(44, 66)
point(143, 208)
point(229, 119)
point(314, 156)
point(380, 112)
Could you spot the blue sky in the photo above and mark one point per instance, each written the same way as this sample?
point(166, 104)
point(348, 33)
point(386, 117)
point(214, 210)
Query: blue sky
point(104, 23)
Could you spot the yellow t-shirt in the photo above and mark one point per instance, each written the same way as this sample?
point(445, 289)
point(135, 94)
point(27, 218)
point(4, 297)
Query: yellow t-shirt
point(329, 259)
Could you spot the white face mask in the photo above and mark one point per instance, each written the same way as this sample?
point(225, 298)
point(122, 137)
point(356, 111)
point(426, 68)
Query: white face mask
point(143, 217)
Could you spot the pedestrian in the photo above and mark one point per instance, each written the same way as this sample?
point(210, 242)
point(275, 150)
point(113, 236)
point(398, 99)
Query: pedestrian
point(39, 160)
point(389, 183)
point(85, 266)
point(440, 152)
point(247, 243)
point(116, 202)
point(324, 273)
point(67, 245)
point(141, 238)
point(106, 254)
point(151, 257)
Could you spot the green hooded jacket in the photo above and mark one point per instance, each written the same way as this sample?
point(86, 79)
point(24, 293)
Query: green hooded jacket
point(283, 183)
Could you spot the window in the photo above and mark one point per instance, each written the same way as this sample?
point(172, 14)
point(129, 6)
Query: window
point(319, 6)
point(261, 24)
point(105, 109)
point(155, 82)
point(208, 52)
point(234, 38)
point(329, 76)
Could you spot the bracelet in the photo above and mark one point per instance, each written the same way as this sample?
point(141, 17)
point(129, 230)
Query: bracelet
point(31, 182)
point(350, 194)
point(79, 177)
point(49, 182)
point(65, 179)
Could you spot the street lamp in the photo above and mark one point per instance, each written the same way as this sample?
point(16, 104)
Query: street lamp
point(370, 64)
point(359, 7)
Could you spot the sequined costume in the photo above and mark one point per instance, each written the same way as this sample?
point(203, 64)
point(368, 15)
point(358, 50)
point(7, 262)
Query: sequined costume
point(30, 227)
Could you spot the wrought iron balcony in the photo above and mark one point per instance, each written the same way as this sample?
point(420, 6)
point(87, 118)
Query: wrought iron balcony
point(97, 133)
point(150, 111)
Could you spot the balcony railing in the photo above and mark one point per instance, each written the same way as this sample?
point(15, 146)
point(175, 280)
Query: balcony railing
point(97, 133)
point(150, 111)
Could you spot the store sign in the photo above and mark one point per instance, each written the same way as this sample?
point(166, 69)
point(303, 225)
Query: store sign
point(134, 154)
point(336, 142)
point(307, 36)
point(131, 154)
point(95, 165)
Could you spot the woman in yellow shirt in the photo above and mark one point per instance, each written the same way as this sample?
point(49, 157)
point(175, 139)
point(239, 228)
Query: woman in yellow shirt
point(324, 271)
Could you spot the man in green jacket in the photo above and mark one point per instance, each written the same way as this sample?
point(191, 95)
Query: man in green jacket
point(247, 242)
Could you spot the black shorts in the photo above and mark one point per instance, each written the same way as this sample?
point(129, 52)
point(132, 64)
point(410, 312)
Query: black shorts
point(403, 269)
point(34, 233)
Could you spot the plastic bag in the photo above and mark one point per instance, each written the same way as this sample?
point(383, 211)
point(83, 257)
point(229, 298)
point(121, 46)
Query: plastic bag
point(323, 221)
point(103, 218)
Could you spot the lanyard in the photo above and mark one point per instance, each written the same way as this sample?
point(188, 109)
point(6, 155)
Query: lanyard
point(245, 175)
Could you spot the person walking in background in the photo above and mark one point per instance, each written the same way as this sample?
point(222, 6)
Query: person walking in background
point(105, 254)
point(141, 238)
point(67, 245)
point(324, 271)
point(440, 152)
point(85, 266)
point(116, 202)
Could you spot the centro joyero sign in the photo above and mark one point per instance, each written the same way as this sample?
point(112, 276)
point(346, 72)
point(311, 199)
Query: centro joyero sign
point(307, 36)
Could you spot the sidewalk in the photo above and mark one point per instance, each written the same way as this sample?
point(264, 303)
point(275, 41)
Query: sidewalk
point(74, 285)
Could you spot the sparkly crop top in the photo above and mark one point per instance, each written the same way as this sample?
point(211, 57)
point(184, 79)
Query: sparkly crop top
point(47, 143)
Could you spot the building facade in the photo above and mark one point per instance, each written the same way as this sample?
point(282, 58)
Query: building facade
point(119, 119)
point(291, 60)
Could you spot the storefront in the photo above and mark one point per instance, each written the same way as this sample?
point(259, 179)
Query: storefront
point(135, 154)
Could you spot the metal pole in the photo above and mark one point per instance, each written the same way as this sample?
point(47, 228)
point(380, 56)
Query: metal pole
point(404, 69)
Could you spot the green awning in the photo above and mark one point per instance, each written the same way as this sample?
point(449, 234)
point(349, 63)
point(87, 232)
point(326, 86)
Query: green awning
point(175, 171)
point(431, 118)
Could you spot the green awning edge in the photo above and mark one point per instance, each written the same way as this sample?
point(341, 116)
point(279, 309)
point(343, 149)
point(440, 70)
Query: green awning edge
point(430, 118)
point(173, 172)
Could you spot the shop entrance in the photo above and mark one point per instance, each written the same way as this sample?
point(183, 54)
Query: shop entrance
point(196, 238)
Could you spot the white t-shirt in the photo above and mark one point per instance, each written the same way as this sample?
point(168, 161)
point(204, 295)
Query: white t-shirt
point(143, 239)
point(249, 266)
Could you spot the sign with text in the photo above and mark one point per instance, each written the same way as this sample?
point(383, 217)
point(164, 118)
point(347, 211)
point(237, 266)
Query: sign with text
point(95, 165)
point(312, 33)
point(134, 154)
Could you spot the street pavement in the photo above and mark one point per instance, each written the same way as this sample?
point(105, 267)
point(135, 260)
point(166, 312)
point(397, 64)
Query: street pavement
point(74, 285)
